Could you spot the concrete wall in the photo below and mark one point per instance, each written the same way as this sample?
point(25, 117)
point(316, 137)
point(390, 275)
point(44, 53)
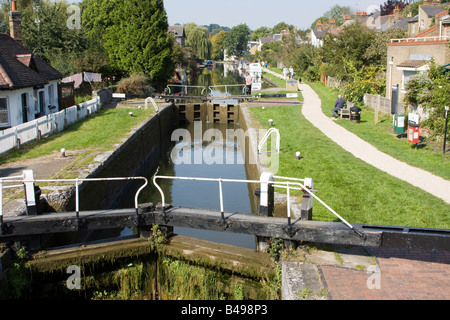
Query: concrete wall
point(134, 157)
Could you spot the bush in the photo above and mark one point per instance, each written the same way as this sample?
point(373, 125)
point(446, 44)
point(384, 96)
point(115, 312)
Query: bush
point(136, 84)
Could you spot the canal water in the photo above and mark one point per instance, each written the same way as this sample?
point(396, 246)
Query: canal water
point(220, 158)
point(202, 159)
point(197, 157)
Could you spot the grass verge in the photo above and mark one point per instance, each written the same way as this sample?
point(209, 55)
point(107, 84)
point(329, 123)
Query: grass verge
point(381, 136)
point(100, 132)
point(357, 191)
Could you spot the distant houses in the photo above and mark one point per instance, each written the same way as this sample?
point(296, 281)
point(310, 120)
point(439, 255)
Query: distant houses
point(429, 35)
point(179, 34)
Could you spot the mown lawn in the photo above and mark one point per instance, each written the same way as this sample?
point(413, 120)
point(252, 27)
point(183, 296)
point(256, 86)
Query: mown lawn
point(381, 135)
point(357, 191)
point(99, 132)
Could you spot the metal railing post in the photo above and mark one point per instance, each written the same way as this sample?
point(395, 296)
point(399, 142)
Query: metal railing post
point(222, 214)
point(1, 204)
point(77, 201)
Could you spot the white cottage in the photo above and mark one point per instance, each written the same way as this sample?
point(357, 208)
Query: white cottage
point(28, 85)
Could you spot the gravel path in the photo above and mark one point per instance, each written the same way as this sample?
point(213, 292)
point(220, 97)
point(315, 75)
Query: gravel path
point(312, 111)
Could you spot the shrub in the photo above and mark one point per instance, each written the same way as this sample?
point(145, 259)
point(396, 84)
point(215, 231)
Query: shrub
point(136, 84)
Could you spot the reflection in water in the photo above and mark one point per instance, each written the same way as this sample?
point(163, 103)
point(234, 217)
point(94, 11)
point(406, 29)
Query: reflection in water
point(205, 194)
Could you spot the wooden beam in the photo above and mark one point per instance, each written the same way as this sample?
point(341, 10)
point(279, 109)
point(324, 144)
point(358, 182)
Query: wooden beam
point(299, 230)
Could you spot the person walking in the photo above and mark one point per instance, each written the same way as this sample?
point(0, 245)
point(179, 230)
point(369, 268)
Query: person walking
point(339, 104)
point(285, 72)
point(291, 72)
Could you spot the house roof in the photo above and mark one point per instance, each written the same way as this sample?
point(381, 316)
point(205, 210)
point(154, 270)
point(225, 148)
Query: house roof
point(178, 30)
point(400, 24)
point(266, 40)
point(412, 64)
point(14, 74)
point(432, 11)
point(11, 51)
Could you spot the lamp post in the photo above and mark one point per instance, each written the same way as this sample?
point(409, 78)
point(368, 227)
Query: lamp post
point(445, 130)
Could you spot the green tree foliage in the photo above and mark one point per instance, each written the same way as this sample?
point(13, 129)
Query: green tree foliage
point(218, 42)
point(198, 39)
point(282, 26)
point(50, 38)
point(134, 34)
point(349, 45)
point(367, 79)
point(261, 32)
point(237, 39)
point(337, 13)
point(376, 52)
point(389, 6)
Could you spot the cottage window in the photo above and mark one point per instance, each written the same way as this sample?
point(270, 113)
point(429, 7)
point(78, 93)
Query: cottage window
point(4, 117)
point(50, 95)
point(407, 75)
point(41, 102)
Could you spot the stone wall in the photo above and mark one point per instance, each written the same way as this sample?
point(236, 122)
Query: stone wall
point(134, 157)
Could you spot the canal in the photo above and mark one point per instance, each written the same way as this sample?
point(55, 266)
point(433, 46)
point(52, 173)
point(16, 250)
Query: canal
point(195, 156)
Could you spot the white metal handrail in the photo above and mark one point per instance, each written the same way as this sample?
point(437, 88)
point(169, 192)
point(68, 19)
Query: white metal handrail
point(421, 39)
point(76, 181)
point(276, 184)
point(186, 87)
point(226, 87)
point(153, 103)
point(266, 136)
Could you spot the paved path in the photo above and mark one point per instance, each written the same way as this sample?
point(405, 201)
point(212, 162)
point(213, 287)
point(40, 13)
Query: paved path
point(312, 110)
point(406, 274)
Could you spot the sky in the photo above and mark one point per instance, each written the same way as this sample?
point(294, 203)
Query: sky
point(257, 13)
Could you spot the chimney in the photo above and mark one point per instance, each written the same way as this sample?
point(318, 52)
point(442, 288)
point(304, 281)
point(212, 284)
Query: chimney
point(347, 17)
point(15, 23)
point(397, 13)
point(319, 25)
point(332, 24)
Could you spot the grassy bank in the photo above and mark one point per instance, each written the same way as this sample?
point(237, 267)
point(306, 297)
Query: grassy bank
point(381, 135)
point(357, 191)
point(97, 133)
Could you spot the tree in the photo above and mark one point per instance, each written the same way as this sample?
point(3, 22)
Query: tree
point(349, 45)
point(261, 32)
point(337, 13)
point(389, 6)
point(198, 39)
point(136, 39)
point(282, 26)
point(376, 52)
point(51, 39)
point(237, 39)
point(218, 42)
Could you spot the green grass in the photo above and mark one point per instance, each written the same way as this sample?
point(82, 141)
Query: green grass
point(383, 138)
point(277, 80)
point(99, 132)
point(357, 191)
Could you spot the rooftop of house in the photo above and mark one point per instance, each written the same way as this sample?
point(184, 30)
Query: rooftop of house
point(432, 11)
point(178, 30)
point(20, 68)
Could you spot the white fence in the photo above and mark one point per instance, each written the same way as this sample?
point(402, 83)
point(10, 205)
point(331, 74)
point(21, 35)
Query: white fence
point(45, 126)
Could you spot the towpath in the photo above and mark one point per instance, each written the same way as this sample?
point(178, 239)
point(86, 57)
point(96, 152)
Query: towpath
point(312, 110)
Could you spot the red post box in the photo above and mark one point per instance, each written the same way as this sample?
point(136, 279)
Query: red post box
point(413, 132)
